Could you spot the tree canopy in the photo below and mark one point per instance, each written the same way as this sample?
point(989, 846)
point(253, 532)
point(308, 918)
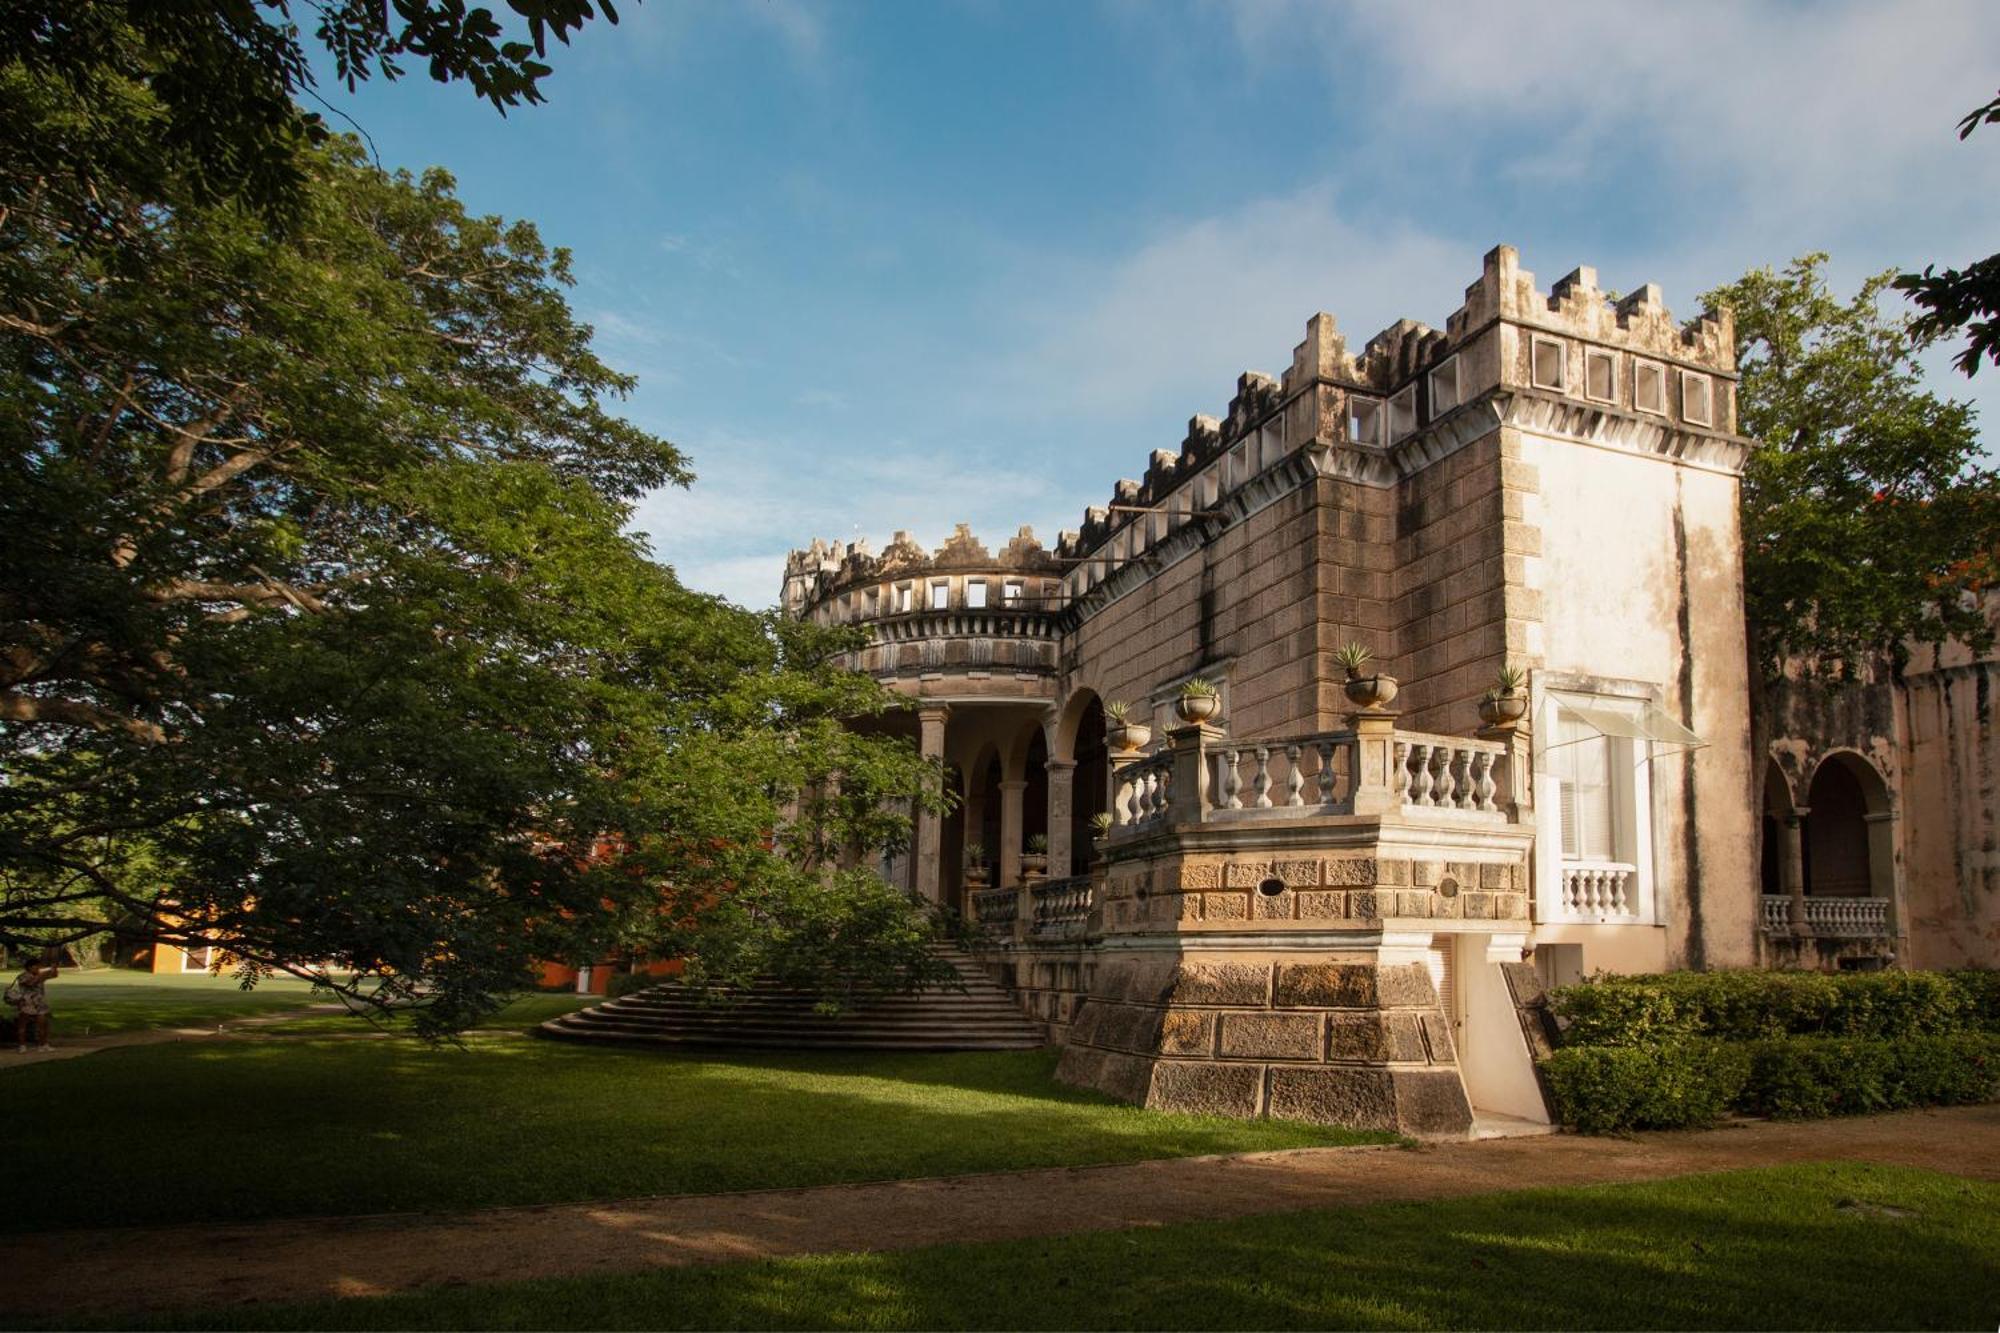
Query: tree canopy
point(220, 79)
point(1961, 300)
point(1869, 521)
point(320, 636)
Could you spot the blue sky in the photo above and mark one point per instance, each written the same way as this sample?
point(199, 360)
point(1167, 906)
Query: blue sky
point(900, 265)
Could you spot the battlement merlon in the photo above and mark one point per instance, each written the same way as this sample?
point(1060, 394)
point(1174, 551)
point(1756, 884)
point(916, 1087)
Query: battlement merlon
point(1324, 379)
point(824, 569)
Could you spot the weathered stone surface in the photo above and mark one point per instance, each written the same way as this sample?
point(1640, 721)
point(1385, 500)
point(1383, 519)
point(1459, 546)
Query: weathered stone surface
point(1364, 905)
point(1247, 874)
point(1206, 1088)
point(1448, 908)
point(1126, 1027)
point(1273, 906)
point(1437, 1037)
point(1359, 1098)
point(1351, 871)
point(1426, 873)
point(1138, 980)
point(1186, 1032)
point(1394, 872)
point(1223, 983)
point(1084, 1027)
point(1270, 1036)
point(1298, 874)
point(1510, 906)
point(1325, 986)
point(1325, 905)
point(1430, 1101)
point(1201, 876)
point(1406, 986)
point(1125, 1077)
point(1494, 875)
point(1412, 902)
point(1225, 907)
point(1478, 906)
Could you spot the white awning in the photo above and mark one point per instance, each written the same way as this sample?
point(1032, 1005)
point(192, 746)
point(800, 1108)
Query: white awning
point(1647, 721)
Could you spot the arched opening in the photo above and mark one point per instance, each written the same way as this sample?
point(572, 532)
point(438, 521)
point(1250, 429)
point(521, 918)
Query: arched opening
point(1847, 853)
point(1090, 796)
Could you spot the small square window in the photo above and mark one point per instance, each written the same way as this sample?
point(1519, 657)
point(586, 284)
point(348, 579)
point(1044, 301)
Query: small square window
point(1403, 414)
point(1649, 387)
point(940, 596)
point(1444, 388)
point(1546, 357)
point(1364, 420)
point(905, 597)
point(1697, 407)
point(975, 593)
point(1010, 592)
point(1600, 376)
point(874, 602)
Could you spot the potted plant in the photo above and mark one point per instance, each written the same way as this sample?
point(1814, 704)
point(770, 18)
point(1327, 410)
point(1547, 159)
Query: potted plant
point(1200, 701)
point(1121, 731)
point(1101, 825)
point(1035, 861)
point(977, 875)
point(1365, 689)
point(1506, 702)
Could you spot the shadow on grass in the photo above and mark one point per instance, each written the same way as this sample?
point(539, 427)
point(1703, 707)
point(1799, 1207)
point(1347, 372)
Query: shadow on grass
point(304, 1126)
point(1823, 1246)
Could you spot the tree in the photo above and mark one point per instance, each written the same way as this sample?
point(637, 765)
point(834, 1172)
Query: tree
point(1966, 299)
point(1868, 521)
point(320, 638)
point(221, 76)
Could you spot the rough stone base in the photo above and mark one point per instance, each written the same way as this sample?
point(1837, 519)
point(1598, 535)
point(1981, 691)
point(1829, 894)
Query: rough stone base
point(1336, 1039)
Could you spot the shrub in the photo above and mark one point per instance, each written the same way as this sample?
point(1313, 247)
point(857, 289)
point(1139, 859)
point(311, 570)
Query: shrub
point(1672, 1085)
point(1811, 1077)
point(1751, 1006)
point(624, 983)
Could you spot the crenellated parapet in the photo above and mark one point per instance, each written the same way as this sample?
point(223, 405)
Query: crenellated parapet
point(1572, 360)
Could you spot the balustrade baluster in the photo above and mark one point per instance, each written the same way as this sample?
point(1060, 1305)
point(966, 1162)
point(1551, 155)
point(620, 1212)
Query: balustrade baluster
point(1232, 780)
point(1324, 778)
point(1399, 780)
point(1295, 780)
point(1482, 780)
point(1420, 773)
point(1261, 782)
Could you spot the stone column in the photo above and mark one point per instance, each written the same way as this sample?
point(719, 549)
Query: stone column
point(1010, 831)
point(1792, 868)
point(930, 829)
point(1062, 796)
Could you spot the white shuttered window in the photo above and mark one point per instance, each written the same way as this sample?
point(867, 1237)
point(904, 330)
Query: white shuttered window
point(1582, 763)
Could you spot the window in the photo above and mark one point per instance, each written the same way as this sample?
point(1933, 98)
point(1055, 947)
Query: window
point(1364, 420)
point(1581, 760)
point(940, 596)
point(975, 593)
point(1444, 388)
point(1697, 409)
point(874, 602)
point(1010, 592)
point(1546, 363)
point(1403, 414)
point(905, 597)
point(1649, 387)
point(1600, 376)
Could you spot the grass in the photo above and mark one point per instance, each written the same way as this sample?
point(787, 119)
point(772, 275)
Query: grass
point(1818, 1246)
point(302, 1125)
point(99, 1003)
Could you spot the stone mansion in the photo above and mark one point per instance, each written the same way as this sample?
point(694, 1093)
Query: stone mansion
point(1336, 896)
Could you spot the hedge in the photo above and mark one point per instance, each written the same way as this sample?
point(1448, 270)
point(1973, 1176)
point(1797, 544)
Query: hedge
point(1690, 1082)
point(1749, 1006)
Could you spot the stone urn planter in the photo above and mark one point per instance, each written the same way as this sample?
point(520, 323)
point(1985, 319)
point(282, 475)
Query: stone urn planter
point(1375, 691)
point(1129, 736)
point(1194, 708)
point(1034, 863)
point(1500, 709)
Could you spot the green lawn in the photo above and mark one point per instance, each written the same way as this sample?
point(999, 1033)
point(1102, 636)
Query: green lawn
point(304, 1125)
point(93, 1004)
point(1827, 1246)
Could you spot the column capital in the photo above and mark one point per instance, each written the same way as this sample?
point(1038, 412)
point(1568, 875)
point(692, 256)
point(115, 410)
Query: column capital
point(1059, 766)
point(1017, 784)
point(933, 712)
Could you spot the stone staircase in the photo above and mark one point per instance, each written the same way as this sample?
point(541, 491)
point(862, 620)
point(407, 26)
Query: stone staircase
point(982, 1017)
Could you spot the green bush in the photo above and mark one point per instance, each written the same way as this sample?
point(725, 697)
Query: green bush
point(1755, 1005)
point(1671, 1085)
point(1812, 1077)
point(624, 983)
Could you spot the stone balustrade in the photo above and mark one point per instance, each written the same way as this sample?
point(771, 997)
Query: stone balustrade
point(1830, 918)
point(1201, 775)
point(1061, 908)
point(997, 907)
point(1599, 891)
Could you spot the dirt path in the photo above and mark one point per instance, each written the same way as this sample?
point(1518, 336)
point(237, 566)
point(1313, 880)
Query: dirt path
point(71, 1048)
point(103, 1272)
